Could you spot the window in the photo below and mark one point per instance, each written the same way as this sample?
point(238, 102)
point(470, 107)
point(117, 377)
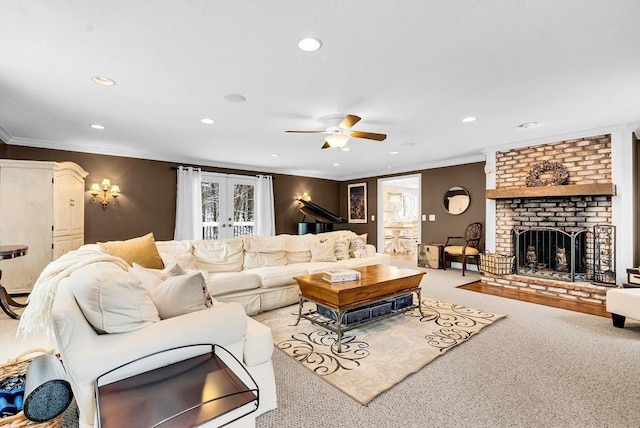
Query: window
point(228, 205)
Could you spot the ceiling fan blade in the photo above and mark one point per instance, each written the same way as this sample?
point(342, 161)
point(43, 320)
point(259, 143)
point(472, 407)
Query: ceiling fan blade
point(326, 146)
point(348, 121)
point(369, 135)
point(308, 132)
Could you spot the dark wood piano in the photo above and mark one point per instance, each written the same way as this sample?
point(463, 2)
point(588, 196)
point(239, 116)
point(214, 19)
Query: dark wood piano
point(324, 220)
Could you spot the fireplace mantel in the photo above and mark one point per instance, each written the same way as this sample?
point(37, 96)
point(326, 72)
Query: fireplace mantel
point(594, 189)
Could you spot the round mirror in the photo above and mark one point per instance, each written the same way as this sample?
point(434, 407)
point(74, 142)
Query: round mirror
point(456, 200)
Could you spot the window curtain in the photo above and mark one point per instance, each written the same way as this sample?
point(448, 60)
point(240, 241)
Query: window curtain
point(188, 204)
point(265, 213)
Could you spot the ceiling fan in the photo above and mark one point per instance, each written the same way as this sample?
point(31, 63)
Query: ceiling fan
point(339, 135)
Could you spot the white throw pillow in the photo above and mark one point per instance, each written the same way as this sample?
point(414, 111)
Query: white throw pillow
point(323, 251)
point(111, 299)
point(178, 295)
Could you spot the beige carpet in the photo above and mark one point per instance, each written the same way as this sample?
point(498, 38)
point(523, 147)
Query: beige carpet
point(377, 356)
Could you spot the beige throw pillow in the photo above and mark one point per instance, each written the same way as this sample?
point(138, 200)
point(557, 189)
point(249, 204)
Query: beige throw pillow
point(323, 251)
point(141, 250)
point(178, 295)
point(172, 296)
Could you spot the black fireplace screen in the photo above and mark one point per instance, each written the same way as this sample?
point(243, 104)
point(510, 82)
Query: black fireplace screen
point(552, 253)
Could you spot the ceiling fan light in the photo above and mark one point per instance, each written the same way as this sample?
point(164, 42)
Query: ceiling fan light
point(337, 141)
point(104, 81)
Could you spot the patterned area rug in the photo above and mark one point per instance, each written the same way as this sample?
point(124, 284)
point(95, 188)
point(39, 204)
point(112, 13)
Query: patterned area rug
point(377, 356)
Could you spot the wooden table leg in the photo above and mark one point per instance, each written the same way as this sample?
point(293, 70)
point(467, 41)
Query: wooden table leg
point(6, 302)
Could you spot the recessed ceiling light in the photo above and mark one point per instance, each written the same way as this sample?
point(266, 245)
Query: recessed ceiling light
point(336, 164)
point(393, 153)
point(345, 149)
point(528, 125)
point(235, 98)
point(309, 44)
point(274, 155)
point(207, 121)
point(469, 119)
point(96, 126)
point(101, 80)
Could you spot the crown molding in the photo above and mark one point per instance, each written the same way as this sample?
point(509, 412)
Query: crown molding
point(5, 136)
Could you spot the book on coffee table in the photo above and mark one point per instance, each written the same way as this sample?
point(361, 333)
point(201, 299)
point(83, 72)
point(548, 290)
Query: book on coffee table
point(340, 275)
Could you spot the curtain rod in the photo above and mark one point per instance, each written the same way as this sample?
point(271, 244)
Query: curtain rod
point(222, 173)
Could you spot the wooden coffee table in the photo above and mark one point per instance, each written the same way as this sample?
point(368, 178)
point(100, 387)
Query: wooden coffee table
point(377, 283)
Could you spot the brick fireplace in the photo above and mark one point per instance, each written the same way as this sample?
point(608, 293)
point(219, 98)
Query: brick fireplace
point(551, 228)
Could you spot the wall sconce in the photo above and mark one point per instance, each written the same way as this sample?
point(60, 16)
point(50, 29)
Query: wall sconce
point(105, 193)
point(305, 197)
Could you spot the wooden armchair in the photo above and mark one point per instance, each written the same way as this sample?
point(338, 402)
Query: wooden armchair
point(471, 239)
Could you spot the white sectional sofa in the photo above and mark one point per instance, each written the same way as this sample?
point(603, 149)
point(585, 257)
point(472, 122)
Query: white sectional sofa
point(104, 313)
point(258, 272)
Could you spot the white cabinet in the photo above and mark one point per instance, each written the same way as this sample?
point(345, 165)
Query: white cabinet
point(41, 206)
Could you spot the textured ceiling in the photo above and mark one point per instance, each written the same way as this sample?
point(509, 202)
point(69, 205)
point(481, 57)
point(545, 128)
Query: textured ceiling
point(410, 69)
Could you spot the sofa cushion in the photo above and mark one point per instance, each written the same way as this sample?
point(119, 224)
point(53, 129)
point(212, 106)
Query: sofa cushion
point(299, 247)
point(363, 261)
point(178, 295)
point(111, 299)
point(276, 276)
point(264, 259)
point(177, 252)
point(221, 283)
point(318, 267)
point(264, 244)
point(298, 256)
point(262, 251)
point(141, 250)
point(221, 255)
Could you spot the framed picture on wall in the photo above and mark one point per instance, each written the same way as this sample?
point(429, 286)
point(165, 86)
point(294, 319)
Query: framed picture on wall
point(358, 203)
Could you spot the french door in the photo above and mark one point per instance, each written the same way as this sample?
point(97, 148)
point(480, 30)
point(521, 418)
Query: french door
point(228, 205)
